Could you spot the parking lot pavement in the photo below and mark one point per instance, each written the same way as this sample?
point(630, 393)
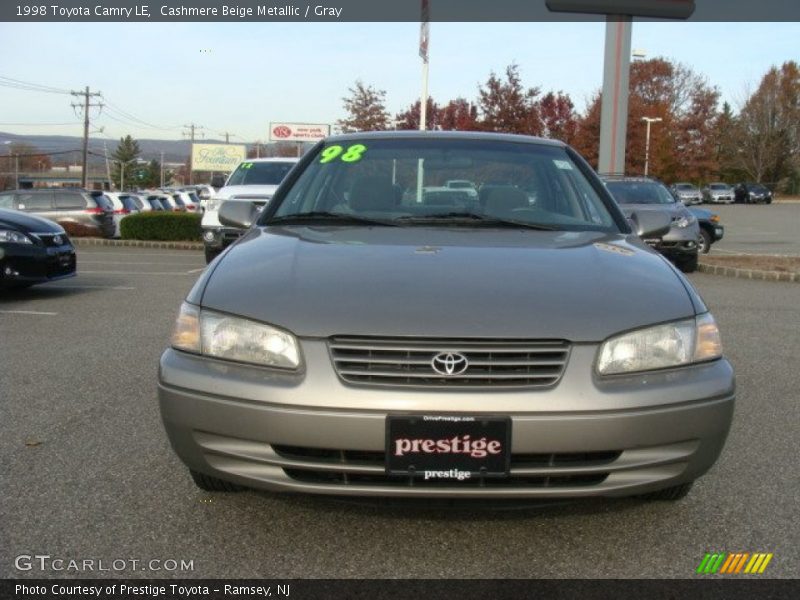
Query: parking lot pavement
point(87, 471)
point(758, 228)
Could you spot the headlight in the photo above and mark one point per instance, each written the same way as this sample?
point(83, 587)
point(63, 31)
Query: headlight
point(231, 338)
point(9, 236)
point(685, 221)
point(660, 347)
point(714, 218)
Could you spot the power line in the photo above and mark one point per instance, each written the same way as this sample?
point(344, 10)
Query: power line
point(31, 87)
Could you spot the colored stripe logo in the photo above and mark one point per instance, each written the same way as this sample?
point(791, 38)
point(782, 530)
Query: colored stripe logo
point(728, 563)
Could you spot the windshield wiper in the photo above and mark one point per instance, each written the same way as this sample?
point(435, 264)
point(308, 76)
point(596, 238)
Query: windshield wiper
point(477, 219)
point(329, 217)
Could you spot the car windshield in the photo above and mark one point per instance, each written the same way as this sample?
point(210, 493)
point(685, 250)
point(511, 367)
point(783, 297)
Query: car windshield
point(640, 192)
point(260, 173)
point(718, 186)
point(402, 181)
point(688, 187)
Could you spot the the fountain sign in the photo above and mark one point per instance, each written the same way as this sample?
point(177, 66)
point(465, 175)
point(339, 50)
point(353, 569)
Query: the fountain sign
point(217, 157)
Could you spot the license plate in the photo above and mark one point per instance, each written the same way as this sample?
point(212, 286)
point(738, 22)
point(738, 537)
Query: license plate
point(448, 448)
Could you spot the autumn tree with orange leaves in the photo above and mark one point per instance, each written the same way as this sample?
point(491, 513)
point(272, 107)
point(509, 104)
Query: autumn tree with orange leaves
point(683, 144)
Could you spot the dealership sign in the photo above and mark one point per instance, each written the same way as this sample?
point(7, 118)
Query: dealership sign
point(217, 157)
point(298, 132)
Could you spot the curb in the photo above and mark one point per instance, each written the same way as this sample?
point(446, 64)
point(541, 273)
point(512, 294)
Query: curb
point(78, 241)
point(748, 273)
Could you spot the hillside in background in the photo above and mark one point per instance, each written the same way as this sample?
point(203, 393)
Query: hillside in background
point(174, 150)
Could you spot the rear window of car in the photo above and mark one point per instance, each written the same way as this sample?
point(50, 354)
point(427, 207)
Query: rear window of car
point(128, 202)
point(178, 200)
point(718, 186)
point(103, 202)
point(35, 201)
point(639, 192)
point(69, 201)
point(260, 173)
point(155, 203)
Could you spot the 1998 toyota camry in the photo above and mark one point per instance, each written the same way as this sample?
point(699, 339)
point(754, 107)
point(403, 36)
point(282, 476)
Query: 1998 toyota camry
point(378, 333)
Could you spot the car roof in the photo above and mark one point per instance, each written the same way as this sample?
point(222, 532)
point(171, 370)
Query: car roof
point(445, 135)
point(272, 159)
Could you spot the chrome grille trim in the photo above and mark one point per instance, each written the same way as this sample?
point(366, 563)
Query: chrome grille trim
point(407, 361)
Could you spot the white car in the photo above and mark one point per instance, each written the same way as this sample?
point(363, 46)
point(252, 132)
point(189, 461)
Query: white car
point(188, 199)
point(122, 208)
point(254, 180)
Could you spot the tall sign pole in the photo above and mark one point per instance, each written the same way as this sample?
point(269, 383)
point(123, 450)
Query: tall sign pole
point(617, 65)
point(616, 87)
point(424, 36)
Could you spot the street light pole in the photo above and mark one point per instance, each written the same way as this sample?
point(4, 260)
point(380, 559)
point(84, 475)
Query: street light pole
point(648, 120)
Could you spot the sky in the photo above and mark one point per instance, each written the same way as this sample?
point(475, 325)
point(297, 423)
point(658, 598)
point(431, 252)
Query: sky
point(239, 77)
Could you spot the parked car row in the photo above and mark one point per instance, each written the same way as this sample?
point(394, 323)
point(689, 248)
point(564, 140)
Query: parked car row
point(722, 193)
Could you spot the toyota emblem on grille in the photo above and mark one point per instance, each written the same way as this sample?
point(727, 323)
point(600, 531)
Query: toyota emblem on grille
point(449, 364)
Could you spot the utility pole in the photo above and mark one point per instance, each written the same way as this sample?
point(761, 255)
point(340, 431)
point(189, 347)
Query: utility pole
point(191, 134)
point(161, 164)
point(87, 104)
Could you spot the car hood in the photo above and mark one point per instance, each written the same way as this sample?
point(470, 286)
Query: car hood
point(28, 223)
point(265, 191)
point(677, 209)
point(411, 281)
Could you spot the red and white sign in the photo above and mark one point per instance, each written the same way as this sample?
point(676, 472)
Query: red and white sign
point(298, 132)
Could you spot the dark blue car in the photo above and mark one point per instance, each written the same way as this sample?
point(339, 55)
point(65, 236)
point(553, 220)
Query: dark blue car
point(711, 230)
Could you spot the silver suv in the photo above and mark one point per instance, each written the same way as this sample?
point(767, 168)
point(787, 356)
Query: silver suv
point(362, 339)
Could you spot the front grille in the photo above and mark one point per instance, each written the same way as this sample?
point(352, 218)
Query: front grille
point(378, 458)
point(410, 361)
point(350, 459)
point(338, 478)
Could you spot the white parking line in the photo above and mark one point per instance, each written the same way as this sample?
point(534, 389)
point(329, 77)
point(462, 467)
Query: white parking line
point(132, 272)
point(137, 254)
point(197, 270)
point(121, 262)
point(88, 287)
point(27, 312)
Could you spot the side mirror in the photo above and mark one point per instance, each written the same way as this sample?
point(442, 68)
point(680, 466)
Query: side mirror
point(649, 223)
point(240, 215)
point(218, 181)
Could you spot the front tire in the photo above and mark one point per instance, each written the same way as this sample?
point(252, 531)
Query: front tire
point(670, 494)
point(687, 264)
point(207, 483)
point(704, 243)
point(211, 254)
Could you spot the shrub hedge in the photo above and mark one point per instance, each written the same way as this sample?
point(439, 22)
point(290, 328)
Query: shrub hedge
point(161, 226)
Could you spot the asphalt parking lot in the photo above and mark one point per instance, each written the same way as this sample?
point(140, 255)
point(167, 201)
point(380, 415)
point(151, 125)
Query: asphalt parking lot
point(88, 473)
point(758, 228)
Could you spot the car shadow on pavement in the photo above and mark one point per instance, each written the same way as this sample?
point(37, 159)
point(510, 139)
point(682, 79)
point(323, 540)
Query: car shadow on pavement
point(455, 509)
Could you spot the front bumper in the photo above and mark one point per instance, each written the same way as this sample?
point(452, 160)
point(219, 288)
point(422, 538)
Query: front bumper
point(30, 264)
point(219, 238)
point(679, 241)
point(310, 432)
